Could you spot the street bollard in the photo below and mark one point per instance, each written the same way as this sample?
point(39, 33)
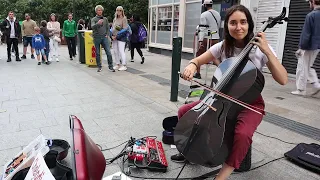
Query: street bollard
point(175, 68)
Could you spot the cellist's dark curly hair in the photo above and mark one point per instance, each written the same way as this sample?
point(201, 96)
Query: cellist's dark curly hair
point(228, 45)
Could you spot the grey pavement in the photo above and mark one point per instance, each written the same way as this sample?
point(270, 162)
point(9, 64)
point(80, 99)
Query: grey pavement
point(114, 106)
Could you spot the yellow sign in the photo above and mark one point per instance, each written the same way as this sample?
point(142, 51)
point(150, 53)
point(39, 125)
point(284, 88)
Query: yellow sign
point(90, 49)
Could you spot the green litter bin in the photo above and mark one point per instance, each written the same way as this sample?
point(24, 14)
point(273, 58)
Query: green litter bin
point(81, 49)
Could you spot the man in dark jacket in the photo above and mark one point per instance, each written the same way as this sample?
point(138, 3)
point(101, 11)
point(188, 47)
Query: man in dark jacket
point(12, 32)
point(309, 47)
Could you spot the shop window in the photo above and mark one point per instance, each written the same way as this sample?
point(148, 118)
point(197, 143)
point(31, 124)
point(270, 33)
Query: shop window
point(164, 25)
point(175, 20)
point(153, 24)
point(165, 1)
point(192, 20)
point(154, 2)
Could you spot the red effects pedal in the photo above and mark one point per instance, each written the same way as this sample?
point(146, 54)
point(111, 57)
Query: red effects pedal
point(148, 154)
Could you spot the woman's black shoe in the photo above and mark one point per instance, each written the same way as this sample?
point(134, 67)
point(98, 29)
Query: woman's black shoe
point(179, 158)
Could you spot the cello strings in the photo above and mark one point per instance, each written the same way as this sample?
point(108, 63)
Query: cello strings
point(243, 104)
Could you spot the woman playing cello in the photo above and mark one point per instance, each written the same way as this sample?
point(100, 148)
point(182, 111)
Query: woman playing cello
point(238, 31)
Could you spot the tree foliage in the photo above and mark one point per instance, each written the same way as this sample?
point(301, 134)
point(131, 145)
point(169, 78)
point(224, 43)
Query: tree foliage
point(84, 9)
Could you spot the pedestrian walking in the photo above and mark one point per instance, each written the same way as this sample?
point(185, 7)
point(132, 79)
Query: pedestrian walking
point(137, 38)
point(12, 31)
point(309, 47)
point(28, 26)
point(119, 38)
point(100, 33)
point(54, 26)
point(69, 33)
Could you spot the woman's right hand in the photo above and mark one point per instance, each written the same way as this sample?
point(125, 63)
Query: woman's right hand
point(189, 71)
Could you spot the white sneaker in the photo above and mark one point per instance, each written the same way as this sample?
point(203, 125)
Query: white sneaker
point(299, 92)
point(57, 59)
point(116, 67)
point(316, 88)
point(123, 68)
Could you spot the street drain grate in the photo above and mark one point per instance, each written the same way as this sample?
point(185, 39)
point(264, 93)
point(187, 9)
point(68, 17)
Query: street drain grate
point(164, 82)
point(134, 71)
point(283, 122)
point(294, 126)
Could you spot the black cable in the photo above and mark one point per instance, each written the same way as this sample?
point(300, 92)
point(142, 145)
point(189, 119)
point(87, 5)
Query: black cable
point(266, 163)
point(276, 138)
point(111, 147)
point(181, 170)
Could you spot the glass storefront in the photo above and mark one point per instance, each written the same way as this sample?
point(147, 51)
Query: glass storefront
point(191, 22)
point(153, 24)
point(164, 24)
point(164, 21)
point(175, 20)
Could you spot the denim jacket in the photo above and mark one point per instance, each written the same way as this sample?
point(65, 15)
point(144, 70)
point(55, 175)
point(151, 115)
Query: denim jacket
point(310, 36)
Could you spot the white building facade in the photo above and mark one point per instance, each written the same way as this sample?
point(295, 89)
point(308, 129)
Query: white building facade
point(172, 18)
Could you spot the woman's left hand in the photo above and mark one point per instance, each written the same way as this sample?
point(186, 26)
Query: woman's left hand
point(262, 42)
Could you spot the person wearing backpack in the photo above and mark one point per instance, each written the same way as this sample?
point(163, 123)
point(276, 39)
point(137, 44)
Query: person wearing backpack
point(137, 37)
point(211, 18)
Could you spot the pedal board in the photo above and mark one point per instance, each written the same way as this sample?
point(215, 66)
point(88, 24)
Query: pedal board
point(148, 154)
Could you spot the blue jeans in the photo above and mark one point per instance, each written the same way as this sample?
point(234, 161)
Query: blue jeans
point(47, 50)
point(40, 52)
point(104, 42)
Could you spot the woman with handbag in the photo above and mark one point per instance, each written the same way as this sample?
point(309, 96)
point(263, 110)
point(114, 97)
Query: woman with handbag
point(54, 26)
point(119, 42)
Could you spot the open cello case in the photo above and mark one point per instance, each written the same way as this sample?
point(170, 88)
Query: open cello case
point(87, 160)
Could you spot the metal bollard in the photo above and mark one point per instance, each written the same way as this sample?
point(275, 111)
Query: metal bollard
point(176, 63)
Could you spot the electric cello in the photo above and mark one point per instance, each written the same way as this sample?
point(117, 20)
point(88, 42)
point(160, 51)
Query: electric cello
point(204, 135)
